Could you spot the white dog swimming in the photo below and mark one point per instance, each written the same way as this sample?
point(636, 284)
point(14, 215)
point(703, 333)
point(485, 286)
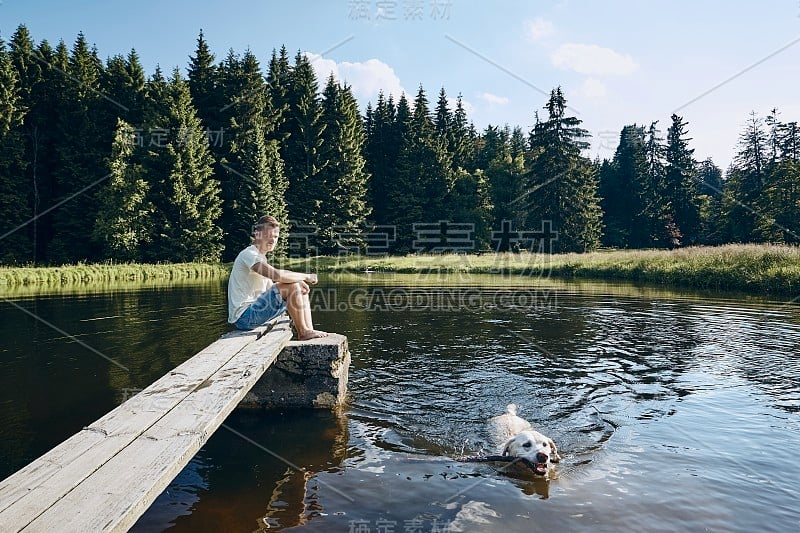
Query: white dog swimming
point(518, 442)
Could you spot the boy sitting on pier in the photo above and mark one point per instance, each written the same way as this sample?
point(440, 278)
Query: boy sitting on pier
point(253, 298)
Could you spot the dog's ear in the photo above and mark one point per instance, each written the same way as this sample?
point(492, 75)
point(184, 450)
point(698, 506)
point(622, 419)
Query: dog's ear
point(554, 457)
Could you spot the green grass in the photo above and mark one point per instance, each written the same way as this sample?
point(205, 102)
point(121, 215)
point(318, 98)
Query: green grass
point(757, 268)
point(109, 273)
point(767, 269)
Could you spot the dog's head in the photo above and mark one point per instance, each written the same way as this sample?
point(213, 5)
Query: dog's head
point(537, 450)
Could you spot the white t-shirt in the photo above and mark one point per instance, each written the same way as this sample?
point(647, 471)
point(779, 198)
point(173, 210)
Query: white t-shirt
point(244, 285)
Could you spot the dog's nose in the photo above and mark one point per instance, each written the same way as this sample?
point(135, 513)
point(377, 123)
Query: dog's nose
point(541, 457)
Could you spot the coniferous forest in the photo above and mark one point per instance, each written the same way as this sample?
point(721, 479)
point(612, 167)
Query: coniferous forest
point(100, 161)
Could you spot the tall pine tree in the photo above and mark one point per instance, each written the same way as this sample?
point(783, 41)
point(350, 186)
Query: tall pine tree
point(424, 177)
point(561, 186)
point(16, 246)
point(184, 192)
point(383, 139)
point(679, 186)
point(122, 225)
point(745, 182)
point(302, 151)
point(344, 207)
point(622, 183)
point(254, 183)
point(83, 140)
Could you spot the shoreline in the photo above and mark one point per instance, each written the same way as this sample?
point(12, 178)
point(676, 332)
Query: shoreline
point(751, 268)
point(104, 273)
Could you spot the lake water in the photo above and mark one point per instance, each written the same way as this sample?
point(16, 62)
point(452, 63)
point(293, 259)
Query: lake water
point(673, 411)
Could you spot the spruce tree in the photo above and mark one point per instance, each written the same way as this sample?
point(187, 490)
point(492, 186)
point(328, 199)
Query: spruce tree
point(745, 182)
point(443, 119)
point(503, 175)
point(278, 82)
point(43, 84)
point(774, 128)
point(789, 141)
point(709, 187)
point(83, 140)
point(622, 183)
point(254, 182)
point(184, 192)
point(461, 142)
point(122, 225)
point(424, 176)
point(302, 151)
point(778, 205)
point(679, 183)
point(123, 83)
point(382, 148)
point(344, 207)
point(561, 186)
point(655, 225)
point(205, 87)
point(470, 201)
point(16, 245)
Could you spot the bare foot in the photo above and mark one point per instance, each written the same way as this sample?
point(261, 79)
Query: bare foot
point(312, 334)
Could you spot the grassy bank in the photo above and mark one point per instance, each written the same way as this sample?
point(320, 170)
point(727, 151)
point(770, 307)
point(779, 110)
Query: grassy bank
point(108, 273)
point(747, 267)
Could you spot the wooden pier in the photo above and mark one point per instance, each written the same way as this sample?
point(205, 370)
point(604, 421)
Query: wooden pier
point(107, 475)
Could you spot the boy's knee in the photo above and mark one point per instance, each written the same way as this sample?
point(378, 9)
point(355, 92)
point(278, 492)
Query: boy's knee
point(291, 291)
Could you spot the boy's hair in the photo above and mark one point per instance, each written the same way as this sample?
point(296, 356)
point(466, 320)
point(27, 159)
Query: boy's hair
point(267, 221)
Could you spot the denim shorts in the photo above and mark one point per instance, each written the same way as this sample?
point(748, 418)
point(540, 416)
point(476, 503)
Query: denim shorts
point(269, 305)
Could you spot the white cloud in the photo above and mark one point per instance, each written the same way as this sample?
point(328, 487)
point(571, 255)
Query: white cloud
point(366, 78)
point(494, 99)
point(592, 59)
point(593, 89)
point(538, 29)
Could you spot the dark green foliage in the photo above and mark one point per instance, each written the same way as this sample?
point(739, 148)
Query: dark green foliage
point(253, 180)
point(622, 185)
point(745, 181)
point(789, 141)
point(302, 150)
point(503, 173)
point(679, 185)
point(122, 225)
point(384, 132)
point(470, 201)
point(83, 139)
point(183, 190)
point(462, 139)
point(123, 85)
point(96, 161)
point(561, 186)
point(278, 82)
point(206, 87)
point(42, 86)
point(424, 176)
point(709, 192)
point(778, 204)
point(344, 207)
point(16, 245)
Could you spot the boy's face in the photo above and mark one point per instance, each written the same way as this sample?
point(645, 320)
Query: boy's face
point(269, 236)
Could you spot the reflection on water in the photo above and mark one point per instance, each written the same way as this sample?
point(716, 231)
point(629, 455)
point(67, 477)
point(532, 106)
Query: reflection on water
point(267, 481)
point(673, 411)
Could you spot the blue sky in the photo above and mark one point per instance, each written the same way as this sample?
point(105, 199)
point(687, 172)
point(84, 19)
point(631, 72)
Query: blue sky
point(619, 62)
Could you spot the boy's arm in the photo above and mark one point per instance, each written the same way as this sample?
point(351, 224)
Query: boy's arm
point(283, 276)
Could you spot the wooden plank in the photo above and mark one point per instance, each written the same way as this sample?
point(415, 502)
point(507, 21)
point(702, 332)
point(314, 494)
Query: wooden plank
point(27, 493)
point(122, 489)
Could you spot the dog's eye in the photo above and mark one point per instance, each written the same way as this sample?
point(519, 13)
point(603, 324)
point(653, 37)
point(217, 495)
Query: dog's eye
point(546, 445)
point(527, 444)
